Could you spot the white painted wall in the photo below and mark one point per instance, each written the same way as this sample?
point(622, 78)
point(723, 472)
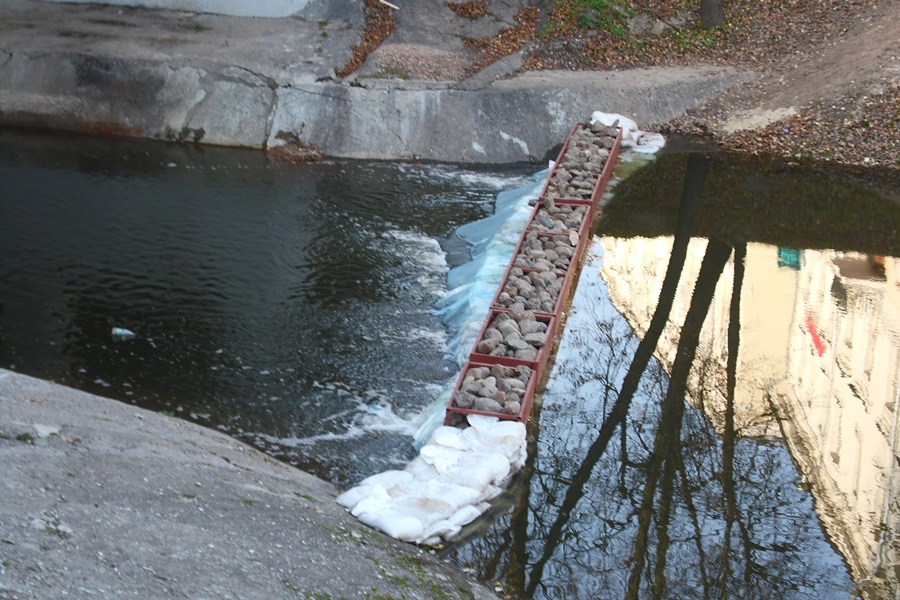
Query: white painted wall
point(237, 8)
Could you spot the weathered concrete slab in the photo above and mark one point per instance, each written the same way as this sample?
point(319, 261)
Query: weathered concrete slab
point(100, 499)
point(260, 82)
point(238, 8)
point(517, 119)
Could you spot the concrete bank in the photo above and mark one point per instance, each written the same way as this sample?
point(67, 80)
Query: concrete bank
point(268, 83)
point(100, 499)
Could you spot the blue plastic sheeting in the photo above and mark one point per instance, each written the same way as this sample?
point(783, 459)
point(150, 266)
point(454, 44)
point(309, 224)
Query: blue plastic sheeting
point(473, 285)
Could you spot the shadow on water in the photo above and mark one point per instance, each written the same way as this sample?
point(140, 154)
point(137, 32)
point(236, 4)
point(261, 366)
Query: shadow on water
point(720, 421)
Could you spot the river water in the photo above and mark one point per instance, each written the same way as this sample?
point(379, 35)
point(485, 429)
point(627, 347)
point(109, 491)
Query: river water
point(291, 307)
point(720, 420)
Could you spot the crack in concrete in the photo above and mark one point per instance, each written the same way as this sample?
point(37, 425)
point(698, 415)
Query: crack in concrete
point(270, 120)
point(264, 80)
point(323, 95)
point(8, 57)
point(409, 152)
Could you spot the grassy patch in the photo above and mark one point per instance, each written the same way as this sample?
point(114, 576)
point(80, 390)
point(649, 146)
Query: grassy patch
point(416, 568)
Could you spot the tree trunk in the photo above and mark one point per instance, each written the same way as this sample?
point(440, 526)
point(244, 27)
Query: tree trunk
point(712, 14)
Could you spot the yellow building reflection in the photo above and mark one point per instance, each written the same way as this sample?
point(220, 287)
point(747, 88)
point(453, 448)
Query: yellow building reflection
point(818, 365)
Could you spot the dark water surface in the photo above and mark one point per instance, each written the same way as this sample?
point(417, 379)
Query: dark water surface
point(721, 420)
point(289, 306)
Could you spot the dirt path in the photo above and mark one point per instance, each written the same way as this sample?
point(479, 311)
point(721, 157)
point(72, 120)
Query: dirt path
point(866, 59)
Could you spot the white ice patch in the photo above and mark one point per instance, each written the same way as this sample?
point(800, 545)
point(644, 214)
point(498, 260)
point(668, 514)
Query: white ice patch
point(446, 486)
point(632, 137)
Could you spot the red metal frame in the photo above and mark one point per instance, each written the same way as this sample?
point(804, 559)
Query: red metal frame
point(527, 398)
point(487, 359)
point(553, 320)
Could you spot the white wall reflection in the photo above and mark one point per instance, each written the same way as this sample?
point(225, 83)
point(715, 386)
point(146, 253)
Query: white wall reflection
point(819, 352)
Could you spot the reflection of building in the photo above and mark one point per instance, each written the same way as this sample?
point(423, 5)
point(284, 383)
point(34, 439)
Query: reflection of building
point(819, 346)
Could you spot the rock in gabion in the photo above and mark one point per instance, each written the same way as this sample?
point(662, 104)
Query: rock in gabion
point(535, 290)
point(497, 389)
point(535, 280)
point(517, 334)
point(577, 172)
point(553, 218)
point(544, 258)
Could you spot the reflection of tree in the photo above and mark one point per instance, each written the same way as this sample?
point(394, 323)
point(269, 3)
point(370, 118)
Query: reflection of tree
point(650, 501)
point(697, 170)
point(667, 445)
point(728, 437)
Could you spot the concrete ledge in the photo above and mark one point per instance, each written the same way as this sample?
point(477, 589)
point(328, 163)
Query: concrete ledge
point(518, 119)
point(239, 8)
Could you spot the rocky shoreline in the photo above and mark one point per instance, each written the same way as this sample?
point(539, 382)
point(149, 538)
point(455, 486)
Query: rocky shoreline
point(102, 499)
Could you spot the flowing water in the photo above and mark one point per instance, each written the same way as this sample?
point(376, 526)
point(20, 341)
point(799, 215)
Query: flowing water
point(720, 420)
point(291, 307)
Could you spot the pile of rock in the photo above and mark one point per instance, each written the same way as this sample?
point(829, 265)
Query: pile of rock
point(517, 334)
point(535, 290)
point(494, 389)
point(576, 174)
point(558, 218)
point(526, 311)
point(545, 254)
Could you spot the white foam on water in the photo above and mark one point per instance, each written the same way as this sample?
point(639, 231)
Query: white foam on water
point(465, 177)
point(370, 414)
point(426, 254)
point(435, 337)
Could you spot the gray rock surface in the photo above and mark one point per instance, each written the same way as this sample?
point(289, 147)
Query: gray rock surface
point(99, 499)
point(259, 82)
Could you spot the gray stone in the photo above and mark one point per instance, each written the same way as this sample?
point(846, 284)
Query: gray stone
point(500, 350)
point(507, 327)
point(536, 339)
point(464, 399)
point(487, 405)
point(515, 383)
point(479, 372)
point(487, 345)
point(529, 327)
point(502, 371)
point(488, 391)
point(472, 386)
point(512, 408)
point(533, 303)
point(518, 344)
point(528, 353)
